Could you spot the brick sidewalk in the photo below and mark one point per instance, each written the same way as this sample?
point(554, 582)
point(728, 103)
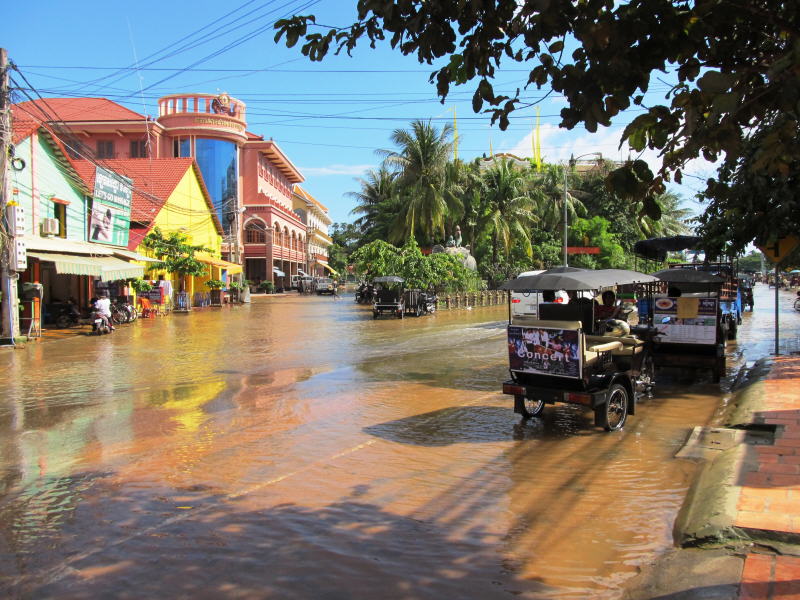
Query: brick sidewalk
point(770, 577)
point(769, 502)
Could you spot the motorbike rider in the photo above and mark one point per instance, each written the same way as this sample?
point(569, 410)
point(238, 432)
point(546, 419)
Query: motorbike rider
point(102, 305)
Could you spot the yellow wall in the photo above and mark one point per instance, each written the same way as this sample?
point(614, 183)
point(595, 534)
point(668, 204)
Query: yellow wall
point(186, 211)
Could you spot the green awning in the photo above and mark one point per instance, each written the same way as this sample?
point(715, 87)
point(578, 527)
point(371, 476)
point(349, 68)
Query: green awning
point(106, 268)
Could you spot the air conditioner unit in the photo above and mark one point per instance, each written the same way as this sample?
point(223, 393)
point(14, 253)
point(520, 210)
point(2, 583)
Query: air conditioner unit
point(49, 226)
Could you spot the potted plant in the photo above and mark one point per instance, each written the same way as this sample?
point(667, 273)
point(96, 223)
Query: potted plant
point(266, 287)
point(215, 286)
point(238, 289)
point(141, 285)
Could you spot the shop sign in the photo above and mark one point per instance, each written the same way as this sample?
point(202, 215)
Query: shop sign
point(111, 208)
point(156, 295)
point(544, 351)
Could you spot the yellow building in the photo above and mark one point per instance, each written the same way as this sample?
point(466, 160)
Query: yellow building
point(169, 193)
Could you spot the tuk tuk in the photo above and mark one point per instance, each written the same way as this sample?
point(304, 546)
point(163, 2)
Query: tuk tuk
point(696, 315)
point(388, 296)
point(698, 307)
point(565, 354)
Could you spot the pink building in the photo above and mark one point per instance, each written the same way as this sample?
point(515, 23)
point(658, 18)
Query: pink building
point(249, 179)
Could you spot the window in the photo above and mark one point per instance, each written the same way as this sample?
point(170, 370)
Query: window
point(105, 149)
point(60, 214)
point(253, 234)
point(181, 148)
point(139, 149)
point(73, 147)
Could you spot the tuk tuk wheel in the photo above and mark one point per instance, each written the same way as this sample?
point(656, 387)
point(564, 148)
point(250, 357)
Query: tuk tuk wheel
point(374, 314)
point(532, 408)
point(733, 327)
point(611, 416)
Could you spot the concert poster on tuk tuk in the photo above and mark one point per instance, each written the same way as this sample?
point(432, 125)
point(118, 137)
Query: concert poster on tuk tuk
point(544, 351)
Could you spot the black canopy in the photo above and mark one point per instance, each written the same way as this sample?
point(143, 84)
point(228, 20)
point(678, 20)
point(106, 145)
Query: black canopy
point(657, 248)
point(687, 276)
point(578, 279)
point(388, 279)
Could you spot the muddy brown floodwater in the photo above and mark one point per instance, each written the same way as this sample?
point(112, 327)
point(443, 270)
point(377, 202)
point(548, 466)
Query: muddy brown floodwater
point(295, 448)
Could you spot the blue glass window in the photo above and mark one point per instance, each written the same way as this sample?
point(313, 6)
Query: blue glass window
point(218, 163)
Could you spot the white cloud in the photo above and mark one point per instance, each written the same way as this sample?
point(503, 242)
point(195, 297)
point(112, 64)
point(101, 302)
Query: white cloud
point(336, 170)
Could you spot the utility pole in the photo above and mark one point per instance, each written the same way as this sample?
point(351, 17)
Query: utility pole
point(8, 247)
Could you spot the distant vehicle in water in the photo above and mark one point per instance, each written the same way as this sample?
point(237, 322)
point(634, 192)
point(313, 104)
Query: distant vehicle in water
point(325, 285)
point(389, 297)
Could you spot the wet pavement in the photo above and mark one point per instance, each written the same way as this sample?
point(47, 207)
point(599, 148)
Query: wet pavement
point(296, 448)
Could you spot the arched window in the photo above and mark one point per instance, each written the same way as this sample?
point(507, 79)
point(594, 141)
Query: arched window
point(277, 240)
point(254, 233)
point(286, 237)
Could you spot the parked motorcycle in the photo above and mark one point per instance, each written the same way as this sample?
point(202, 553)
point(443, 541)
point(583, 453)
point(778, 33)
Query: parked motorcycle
point(63, 314)
point(365, 294)
point(431, 300)
point(123, 311)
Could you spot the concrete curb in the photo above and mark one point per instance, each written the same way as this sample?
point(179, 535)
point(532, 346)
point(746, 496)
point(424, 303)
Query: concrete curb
point(709, 511)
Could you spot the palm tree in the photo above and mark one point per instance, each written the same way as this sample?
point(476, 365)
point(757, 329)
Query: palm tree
point(376, 203)
point(509, 207)
point(547, 188)
point(428, 194)
point(673, 219)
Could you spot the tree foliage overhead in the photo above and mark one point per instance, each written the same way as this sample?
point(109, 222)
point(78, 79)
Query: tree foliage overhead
point(736, 64)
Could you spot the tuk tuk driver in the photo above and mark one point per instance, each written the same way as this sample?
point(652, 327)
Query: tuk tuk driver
point(609, 309)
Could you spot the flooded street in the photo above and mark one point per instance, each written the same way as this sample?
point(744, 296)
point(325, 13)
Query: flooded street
point(295, 448)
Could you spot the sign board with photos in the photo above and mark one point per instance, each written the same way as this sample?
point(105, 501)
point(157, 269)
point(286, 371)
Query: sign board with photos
point(701, 329)
point(110, 220)
point(545, 351)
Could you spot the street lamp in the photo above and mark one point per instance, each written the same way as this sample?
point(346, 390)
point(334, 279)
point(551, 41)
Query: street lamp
point(572, 162)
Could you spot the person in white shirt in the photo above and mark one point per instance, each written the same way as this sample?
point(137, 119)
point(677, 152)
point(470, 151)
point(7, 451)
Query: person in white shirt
point(103, 306)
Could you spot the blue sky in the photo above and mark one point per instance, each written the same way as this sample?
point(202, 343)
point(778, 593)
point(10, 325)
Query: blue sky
point(328, 117)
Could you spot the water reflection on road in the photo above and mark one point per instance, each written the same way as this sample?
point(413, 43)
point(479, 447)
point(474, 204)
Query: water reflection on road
point(296, 448)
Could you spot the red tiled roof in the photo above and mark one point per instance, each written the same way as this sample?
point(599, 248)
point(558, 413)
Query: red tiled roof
point(154, 180)
point(79, 109)
point(22, 124)
point(254, 136)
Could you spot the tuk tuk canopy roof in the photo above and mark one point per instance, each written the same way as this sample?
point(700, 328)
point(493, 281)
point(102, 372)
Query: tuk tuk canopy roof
point(388, 279)
point(687, 276)
point(577, 279)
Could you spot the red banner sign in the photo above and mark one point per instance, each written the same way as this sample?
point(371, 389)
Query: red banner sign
point(583, 250)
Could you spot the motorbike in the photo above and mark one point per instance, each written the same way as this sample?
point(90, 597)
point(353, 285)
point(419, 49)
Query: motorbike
point(365, 294)
point(123, 311)
point(100, 324)
point(431, 300)
point(64, 314)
